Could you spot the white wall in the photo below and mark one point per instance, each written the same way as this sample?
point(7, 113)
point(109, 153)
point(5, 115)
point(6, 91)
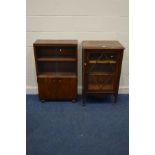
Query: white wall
point(77, 19)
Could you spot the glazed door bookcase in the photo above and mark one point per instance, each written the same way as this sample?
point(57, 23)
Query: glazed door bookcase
point(101, 69)
point(56, 67)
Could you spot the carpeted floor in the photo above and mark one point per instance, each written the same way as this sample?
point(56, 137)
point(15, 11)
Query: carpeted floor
point(66, 128)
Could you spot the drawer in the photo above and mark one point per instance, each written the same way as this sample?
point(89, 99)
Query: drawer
point(100, 82)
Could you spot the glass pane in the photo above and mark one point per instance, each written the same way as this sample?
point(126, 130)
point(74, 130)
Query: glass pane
point(98, 82)
point(57, 68)
point(101, 68)
point(46, 66)
point(66, 67)
point(102, 56)
point(54, 52)
point(46, 52)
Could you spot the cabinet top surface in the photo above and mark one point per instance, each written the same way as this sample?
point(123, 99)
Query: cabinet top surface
point(101, 45)
point(55, 42)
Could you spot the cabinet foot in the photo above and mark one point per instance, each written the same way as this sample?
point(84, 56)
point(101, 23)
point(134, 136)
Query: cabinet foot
point(84, 101)
point(83, 104)
point(115, 98)
point(43, 101)
point(73, 100)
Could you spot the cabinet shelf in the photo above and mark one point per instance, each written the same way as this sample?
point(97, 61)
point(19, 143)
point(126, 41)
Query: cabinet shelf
point(102, 62)
point(56, 74)
point(57, 59)
point(99, 73)
point(97, 87)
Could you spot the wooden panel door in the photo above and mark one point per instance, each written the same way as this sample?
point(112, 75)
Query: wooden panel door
point(57, 88)
point(66, 88)
point(47, 88)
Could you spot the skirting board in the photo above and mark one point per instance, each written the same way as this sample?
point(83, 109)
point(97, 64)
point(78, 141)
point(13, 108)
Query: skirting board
point(34, 90)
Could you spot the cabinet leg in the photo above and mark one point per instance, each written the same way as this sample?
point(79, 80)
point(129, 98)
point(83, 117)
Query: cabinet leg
point(115, 98)
point(43, 101)
point(83, 103)
point(83, 100)
point(73, 100)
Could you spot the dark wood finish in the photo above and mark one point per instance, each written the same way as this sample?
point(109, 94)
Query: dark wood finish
point(55, 42)
point(57, 88)
point(102, 45)
point(56, 68)
point(101, 67)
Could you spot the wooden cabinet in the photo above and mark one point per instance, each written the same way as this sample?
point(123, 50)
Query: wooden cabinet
point(56, 68)
point(101, 67)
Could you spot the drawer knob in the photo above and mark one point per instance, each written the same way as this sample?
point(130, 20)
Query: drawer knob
point(85, 64)
point(60, 49)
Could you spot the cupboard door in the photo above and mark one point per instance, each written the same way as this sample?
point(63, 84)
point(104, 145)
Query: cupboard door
point(47, 88)
point(67, 88)
point(101, 71)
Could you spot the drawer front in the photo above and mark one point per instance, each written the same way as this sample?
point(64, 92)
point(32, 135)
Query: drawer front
point(100, 83)
point(57, 88)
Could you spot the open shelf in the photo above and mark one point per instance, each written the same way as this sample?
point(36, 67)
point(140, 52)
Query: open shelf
point(57, 74)
point(57, 59)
